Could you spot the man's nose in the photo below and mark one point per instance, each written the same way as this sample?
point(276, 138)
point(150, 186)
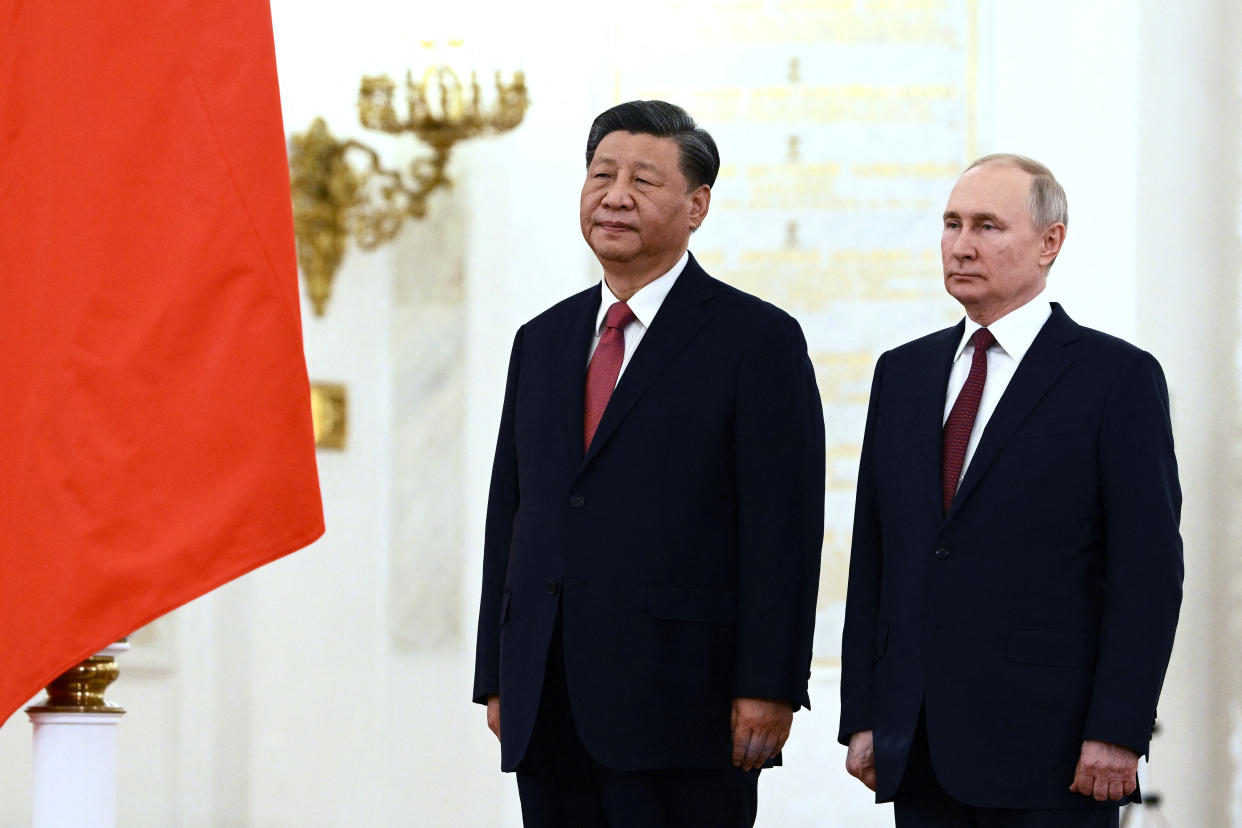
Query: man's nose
point(617, 196)
point(963, 246)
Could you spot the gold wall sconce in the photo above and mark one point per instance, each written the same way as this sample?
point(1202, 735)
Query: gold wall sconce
point(342, 190)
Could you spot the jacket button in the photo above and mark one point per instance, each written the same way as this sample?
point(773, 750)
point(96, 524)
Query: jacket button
point(552, 587)
point(941, 554)
point(577, 501)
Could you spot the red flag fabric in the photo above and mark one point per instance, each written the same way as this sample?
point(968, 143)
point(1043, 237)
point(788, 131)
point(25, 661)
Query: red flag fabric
point(156, 438)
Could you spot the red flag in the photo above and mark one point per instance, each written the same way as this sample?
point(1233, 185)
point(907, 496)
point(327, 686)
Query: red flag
point(155, 440)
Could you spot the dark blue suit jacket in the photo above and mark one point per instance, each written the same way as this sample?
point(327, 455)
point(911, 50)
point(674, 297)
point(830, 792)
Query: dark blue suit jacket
point(684, 546)
point(1040, 611)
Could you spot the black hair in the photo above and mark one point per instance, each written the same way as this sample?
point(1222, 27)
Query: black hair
point(699, 159)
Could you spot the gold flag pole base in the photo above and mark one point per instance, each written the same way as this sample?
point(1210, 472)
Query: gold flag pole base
point(81, 689)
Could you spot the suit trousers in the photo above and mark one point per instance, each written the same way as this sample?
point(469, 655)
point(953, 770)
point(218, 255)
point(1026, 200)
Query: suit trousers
point(921, 802)
point(562, 786)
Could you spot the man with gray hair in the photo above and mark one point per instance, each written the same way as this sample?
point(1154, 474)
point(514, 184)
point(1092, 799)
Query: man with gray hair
point(1015, 575)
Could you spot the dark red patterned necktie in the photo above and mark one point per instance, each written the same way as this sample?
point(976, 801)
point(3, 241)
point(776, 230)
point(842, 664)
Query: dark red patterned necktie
point(605, 367)
point(961, 422)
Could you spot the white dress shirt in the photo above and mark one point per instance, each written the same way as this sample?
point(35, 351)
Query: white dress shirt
point(645, 304)
point(1014, 332)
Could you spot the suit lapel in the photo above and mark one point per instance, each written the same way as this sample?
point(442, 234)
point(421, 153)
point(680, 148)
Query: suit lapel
point(680, 318)
point(1042, 366)
point(569, 368)
point(927, 412)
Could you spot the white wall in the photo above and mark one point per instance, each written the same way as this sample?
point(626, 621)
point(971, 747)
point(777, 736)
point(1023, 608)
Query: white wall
point(1062, 83)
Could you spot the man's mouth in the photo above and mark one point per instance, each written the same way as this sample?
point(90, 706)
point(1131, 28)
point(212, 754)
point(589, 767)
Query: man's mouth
point(613, 226)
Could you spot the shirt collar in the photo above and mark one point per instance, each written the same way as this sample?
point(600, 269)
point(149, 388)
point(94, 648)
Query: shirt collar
point(646, 301)
point(1014, 332)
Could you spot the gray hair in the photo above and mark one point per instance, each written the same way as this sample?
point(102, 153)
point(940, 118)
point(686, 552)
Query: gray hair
point(1046, 200)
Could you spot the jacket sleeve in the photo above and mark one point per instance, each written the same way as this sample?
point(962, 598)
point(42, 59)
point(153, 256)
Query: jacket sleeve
point(1141, 501)
point(779, 474)
point(863, 592)
point(502, 504)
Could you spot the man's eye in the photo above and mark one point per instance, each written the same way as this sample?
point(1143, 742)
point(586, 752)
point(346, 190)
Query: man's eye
point(987, 225)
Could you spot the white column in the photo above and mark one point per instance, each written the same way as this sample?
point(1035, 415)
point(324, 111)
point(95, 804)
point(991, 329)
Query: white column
point(75, 769)
point(75, 761)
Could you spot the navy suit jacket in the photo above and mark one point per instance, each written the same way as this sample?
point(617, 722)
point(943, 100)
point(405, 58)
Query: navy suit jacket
point(1041, 610)
point(684, 546)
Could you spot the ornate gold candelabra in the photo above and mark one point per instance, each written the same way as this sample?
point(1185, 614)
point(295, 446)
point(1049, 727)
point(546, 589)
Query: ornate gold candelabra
point(341, 189)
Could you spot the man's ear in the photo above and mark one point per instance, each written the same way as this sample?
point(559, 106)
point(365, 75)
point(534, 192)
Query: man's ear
point(1050, 243)
point(700, 201)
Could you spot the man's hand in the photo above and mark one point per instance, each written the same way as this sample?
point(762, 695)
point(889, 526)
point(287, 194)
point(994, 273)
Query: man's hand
point(860, 757)
point(760, 728)
point(493, 714)
point(1105, 771)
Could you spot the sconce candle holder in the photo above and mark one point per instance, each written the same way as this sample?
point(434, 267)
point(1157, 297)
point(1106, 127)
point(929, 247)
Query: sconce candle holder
point(342, 190)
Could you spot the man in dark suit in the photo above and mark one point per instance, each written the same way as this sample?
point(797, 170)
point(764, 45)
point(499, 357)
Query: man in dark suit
point(1016, 570)
point(655, 515)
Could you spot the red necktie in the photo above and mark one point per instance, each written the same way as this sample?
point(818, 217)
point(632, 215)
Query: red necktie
point(961, 422)
point(605, 367)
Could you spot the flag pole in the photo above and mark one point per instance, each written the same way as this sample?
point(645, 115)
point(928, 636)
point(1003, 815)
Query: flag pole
point(75, 746)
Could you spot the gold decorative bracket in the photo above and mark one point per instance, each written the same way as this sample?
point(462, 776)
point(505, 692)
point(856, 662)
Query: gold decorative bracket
point(329, 411)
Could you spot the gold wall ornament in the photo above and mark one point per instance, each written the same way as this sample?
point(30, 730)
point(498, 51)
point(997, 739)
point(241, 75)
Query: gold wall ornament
point(329, 412)
point(324, 187)
point(341, 189)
